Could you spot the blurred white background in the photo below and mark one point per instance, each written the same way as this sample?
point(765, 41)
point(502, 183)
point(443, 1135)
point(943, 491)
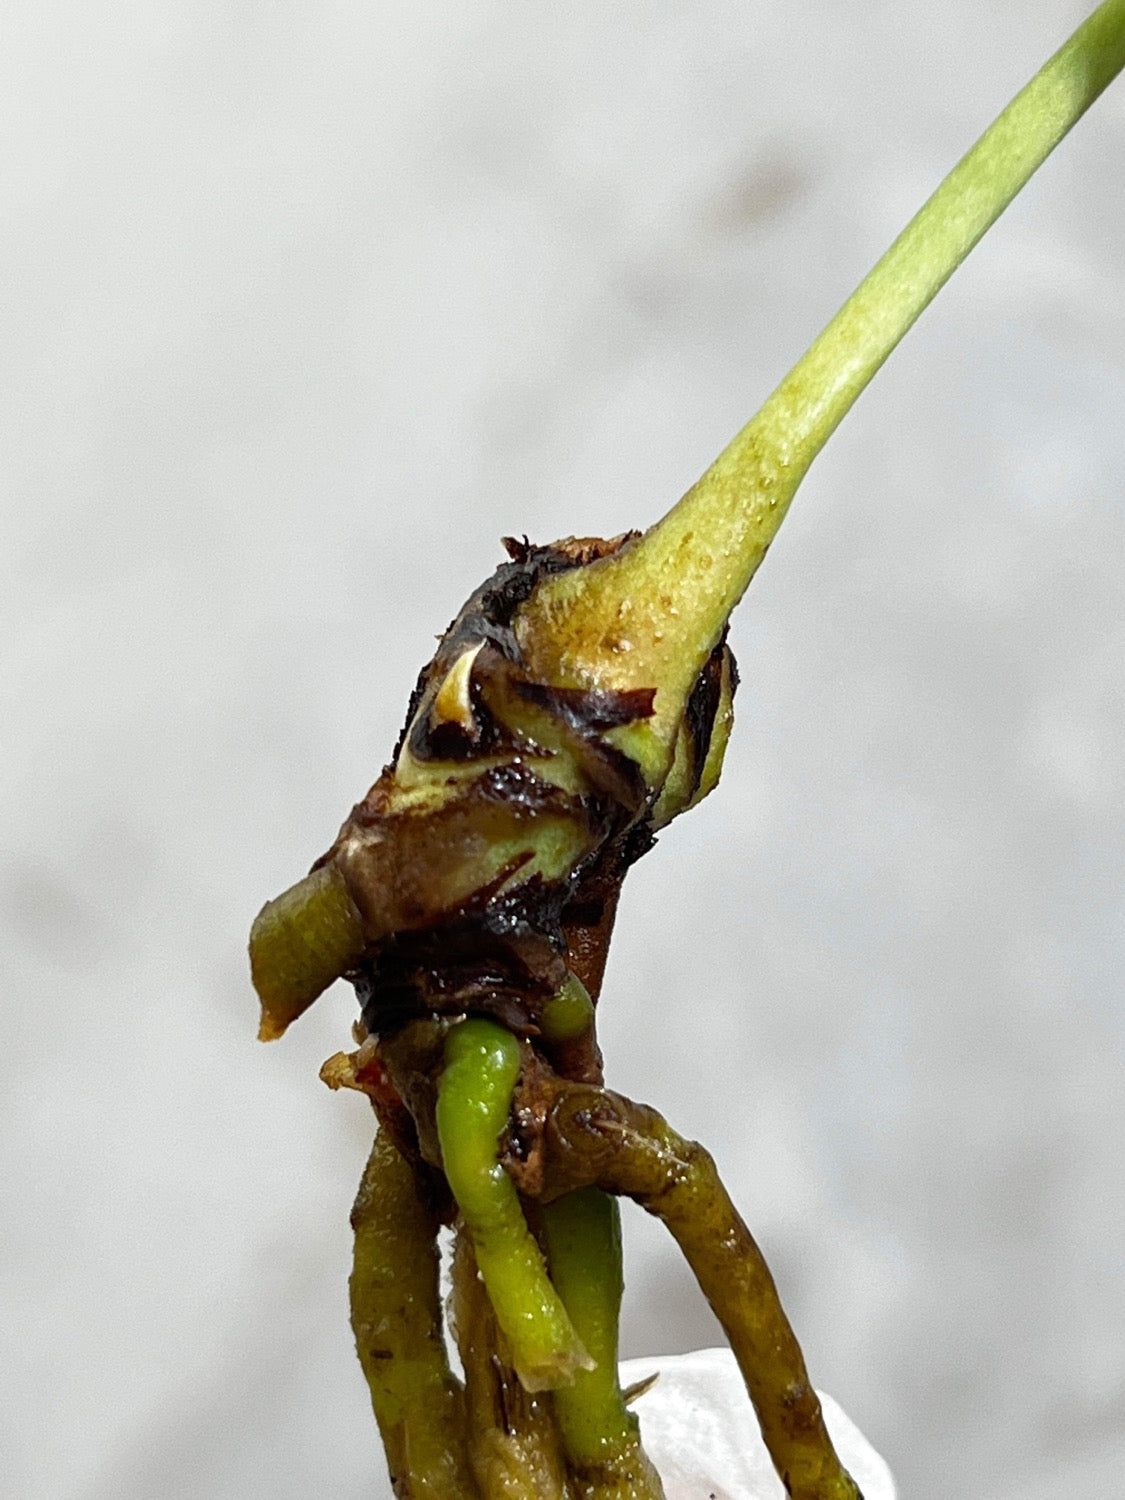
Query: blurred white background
point(304, 306)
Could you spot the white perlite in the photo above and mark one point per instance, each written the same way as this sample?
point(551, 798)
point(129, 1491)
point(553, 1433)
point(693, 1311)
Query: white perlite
point(698, 1428)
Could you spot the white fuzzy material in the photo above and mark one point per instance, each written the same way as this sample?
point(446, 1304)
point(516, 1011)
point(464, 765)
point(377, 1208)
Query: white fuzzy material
point(699, 1430)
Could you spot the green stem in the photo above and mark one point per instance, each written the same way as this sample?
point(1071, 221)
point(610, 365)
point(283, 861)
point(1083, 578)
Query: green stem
point(652, 612)
point(482, 1064)
point(601, 1137)
point(600, 1434)
point(809, 404)
point(396, 1317)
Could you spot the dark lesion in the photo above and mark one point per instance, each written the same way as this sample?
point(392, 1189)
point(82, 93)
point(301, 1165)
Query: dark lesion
point(487, 858)
point(479, 879)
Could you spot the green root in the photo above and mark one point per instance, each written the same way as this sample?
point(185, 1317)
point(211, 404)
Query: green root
point(600, 1435)
point(514, 1445)
point(595, 1136)
point(570, 1014)
point(482, 1063)
point(396, 1316)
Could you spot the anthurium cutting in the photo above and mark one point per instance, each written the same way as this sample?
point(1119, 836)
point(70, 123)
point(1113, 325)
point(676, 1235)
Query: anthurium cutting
point(580, 700)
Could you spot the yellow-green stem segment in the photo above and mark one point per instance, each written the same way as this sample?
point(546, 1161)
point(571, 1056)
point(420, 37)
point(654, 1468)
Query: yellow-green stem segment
point(651, 614)
point(482, 1064)
point(299, 944)
point(601, 1436)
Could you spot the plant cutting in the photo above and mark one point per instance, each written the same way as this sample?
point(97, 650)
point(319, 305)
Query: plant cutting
point(580, 700)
